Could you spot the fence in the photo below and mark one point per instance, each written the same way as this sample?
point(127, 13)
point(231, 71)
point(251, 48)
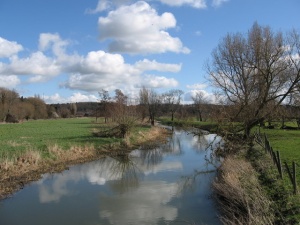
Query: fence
point(265, 143)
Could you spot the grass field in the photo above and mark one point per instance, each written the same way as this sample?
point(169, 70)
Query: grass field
point(38, 135)
point(286, 141)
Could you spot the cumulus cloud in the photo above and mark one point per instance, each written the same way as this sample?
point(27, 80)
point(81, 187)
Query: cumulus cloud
point(79, 97)
point(75, 97)
point(147, 65)
point(104, 5)
point(208, 96)
point(101, 62)
point(9, 48)
point(200, 4)
point(152, 81)
point(109, 71)
point(36, 64)
point(90, 72)
point(9, 81)
point(138, 28)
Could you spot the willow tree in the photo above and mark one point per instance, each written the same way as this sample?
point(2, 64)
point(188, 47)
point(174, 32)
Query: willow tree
point(254, 70)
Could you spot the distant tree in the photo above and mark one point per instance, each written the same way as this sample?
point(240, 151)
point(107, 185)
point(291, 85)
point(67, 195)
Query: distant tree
point(104, 102)
point(65, 112)
point(172, 100)
point(40, 108)
point(25, 110)
point(8, 99)
point(151, 100)
point(199, 103)
point(120, 98)
point(254, 70)
point(73, 109)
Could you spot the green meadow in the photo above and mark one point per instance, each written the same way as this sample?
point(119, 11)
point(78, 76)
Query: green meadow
point(38, 135)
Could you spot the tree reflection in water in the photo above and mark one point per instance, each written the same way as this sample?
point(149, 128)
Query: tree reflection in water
point(129, 173)
point(207, 144)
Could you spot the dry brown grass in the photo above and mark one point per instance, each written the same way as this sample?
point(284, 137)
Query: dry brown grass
point(17, 171)
point(241, 198)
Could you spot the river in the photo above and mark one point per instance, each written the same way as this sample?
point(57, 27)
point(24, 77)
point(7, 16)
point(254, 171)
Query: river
point(169, 184)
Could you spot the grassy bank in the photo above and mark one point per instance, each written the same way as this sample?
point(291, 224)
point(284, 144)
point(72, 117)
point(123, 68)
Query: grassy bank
point(32, 148)
point(287, 142)
point(248, 188)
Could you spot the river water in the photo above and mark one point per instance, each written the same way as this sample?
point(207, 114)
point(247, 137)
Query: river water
point(170, 184)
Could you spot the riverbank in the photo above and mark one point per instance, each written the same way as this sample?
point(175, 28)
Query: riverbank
point(16, 172)
point(248, 189)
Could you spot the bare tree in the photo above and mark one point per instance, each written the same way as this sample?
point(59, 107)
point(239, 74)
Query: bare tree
point(172, 100)
point(199, 102)
point(151, 100)
point(104, 102)
point(254, 70)
point(40, 107)
point(8, 98)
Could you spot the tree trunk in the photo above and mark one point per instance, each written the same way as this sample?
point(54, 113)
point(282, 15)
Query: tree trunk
point(200, 116)
point(247, 131)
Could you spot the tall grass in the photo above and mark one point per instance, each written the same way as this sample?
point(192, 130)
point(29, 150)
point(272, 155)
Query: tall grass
point(240, 196)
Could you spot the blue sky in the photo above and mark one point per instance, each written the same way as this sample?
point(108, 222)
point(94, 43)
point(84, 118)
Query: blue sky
point(68, 50)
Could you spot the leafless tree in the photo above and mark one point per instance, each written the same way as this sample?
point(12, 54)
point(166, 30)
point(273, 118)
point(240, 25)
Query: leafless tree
point(151, 100)
point(254, 70)
point(172, 100)
point(40, 107)
point(8, 98)
point(199, 103)
point(104, 102)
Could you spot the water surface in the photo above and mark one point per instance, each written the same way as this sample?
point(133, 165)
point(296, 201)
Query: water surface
point(170, 184)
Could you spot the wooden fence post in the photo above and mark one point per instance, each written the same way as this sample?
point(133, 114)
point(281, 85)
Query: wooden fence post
point(278, 162)
point(294, 178)
point(292, 175)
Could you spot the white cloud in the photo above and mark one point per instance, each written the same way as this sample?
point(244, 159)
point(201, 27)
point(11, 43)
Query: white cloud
point(147, 65)
point(78, 97)
point(57, 45)
point(152, 81)
point(56, 98)
point(139, 29)
point(104, 5)
point(101, 6)
point(75, 97)
point(101, 62)
point(36, 64)
point(208, 96)
point(96, 70)
point(200, 4)
point(9, 81)
point(218, 3)
point(9, 48)
point(196, 86)
point(109, 71)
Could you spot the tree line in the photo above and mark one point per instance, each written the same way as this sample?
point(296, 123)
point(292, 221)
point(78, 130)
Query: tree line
point(256, 76)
